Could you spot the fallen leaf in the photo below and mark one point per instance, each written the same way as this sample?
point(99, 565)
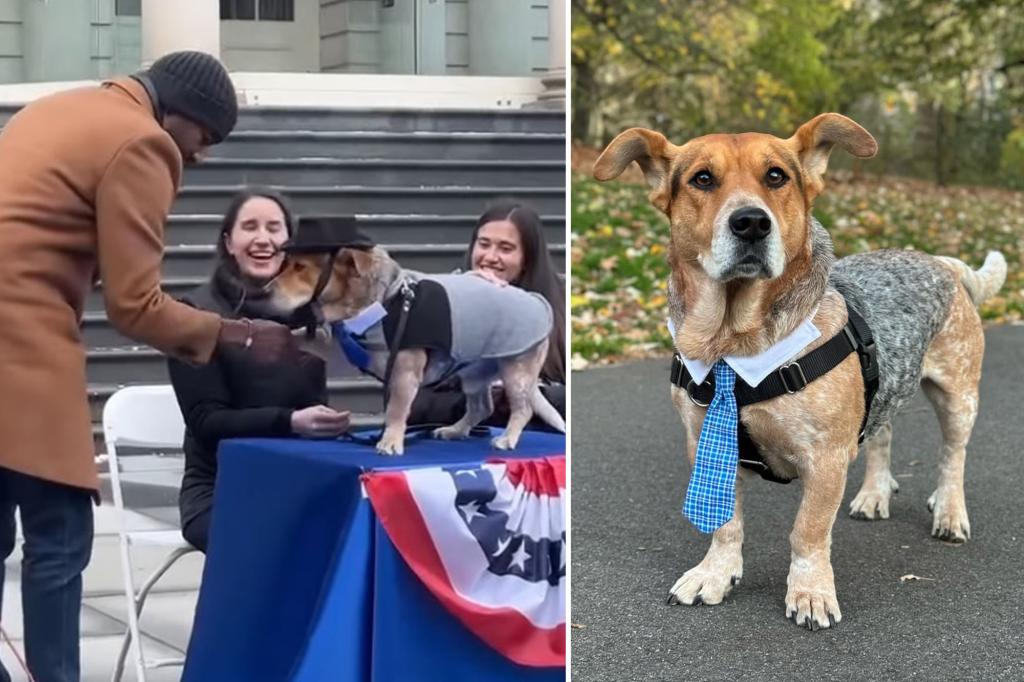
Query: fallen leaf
point(911, 576)
point(578, 626)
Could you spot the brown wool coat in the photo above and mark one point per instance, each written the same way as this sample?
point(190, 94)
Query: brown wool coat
point(87, 178)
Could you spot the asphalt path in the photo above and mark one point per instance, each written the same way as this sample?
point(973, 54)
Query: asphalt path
point(630, 543)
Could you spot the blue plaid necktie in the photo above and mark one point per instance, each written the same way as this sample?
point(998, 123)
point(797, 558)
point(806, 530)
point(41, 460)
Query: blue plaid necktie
point(711, 495)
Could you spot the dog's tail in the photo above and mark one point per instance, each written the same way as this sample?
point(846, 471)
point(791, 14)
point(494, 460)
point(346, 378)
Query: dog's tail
point(984, 283)
point(545, 410)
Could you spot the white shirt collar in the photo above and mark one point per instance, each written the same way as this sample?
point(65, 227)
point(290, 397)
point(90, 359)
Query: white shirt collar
point(366, 318)
point(753, 369)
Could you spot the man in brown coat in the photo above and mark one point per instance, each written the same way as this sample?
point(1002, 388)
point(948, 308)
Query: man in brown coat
point(87, 178)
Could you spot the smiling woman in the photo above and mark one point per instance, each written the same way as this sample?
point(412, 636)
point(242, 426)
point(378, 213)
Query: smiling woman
point(232, 397)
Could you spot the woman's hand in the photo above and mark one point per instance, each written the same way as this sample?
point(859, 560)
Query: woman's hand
point(489, 276)
point(320, 421)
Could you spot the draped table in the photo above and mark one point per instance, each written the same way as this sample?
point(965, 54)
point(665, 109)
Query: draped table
point(302, 584)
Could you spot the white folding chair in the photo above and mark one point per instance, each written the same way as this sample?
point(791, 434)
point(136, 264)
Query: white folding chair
point(143, 417)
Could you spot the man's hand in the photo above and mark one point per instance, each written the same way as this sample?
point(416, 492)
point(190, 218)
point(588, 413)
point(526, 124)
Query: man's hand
point(265, 341)
point(320, 421)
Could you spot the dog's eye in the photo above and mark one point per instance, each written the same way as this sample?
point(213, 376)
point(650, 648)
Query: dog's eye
point(704, 180)
point(775, 177)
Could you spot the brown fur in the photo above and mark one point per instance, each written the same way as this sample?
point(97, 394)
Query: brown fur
point(358, 279)
point(811, 434)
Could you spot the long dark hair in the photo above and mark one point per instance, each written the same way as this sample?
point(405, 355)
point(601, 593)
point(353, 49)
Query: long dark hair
point(231, 215)
point(539, 274)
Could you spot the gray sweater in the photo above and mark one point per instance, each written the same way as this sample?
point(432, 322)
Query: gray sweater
point(490, 321)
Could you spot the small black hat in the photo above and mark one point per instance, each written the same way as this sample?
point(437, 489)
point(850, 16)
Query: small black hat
point(198, 87)
point(323, 234)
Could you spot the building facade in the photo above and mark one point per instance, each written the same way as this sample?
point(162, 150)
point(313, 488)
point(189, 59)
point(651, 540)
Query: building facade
point(73, 40)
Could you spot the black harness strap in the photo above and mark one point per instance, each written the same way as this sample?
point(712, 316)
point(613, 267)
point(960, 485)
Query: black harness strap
point(408, 294)
point(855, 337)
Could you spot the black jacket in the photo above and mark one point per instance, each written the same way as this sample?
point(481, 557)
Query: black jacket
point(233, 396)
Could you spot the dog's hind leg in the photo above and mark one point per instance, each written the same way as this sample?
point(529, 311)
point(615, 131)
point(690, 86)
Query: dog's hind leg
point(545, 410)
point(519, 378)
point(952, 370)
point(722, 567)
point(872, 501)
point(479, 406)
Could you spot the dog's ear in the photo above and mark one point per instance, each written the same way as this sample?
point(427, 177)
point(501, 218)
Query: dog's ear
point(815, 139)
point(651, 151)
point(362, 260)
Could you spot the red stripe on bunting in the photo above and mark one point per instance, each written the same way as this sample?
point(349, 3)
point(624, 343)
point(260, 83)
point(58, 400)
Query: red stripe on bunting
point(506, 630)
point(541, 476)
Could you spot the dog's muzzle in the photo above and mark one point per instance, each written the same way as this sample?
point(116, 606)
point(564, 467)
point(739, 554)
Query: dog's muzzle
point(749, 228)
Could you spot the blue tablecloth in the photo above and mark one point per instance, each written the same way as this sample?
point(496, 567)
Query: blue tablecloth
point(301, 583)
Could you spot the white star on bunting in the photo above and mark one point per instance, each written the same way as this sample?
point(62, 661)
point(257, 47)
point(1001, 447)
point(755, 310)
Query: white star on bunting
point(502, 546)
point(470, 511)
point(520, 557)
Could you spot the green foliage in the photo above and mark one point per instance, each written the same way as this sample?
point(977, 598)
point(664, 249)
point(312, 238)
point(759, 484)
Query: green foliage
point(938, 82)
point(1012, 158)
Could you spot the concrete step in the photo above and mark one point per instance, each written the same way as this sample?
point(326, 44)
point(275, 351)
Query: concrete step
point(400, 120)
point(350, 199)
point(191, 261)
point(384, 229)
point(187, 266)
point(137, 364)
point(362, 396)
point(142, 490)
point(308, 171)
point(387, 120)
point(392, 145)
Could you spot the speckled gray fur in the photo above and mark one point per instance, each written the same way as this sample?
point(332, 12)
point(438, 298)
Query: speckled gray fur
point(904, 296)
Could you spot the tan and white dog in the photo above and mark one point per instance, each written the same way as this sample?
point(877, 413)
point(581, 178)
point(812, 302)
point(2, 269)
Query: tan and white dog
point(749, 265)
point(360, 278)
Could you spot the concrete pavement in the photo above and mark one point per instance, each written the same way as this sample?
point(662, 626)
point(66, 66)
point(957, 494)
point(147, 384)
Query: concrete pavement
point(630, 543)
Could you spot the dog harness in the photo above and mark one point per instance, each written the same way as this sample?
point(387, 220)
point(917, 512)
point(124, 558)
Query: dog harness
point(792, 377)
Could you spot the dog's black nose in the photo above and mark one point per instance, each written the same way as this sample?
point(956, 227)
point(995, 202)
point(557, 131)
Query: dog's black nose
point(750, 224)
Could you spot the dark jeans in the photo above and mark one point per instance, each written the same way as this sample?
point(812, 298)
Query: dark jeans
point(56, 520)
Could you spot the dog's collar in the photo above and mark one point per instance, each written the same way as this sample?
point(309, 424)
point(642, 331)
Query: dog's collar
point(753, 369)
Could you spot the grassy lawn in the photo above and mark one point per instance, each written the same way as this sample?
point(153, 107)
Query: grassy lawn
point(619, 242)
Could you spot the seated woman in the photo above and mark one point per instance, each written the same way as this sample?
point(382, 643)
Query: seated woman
point(232, 396)
point(508, 245)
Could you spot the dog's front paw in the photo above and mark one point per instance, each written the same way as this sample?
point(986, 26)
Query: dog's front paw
point(872, 501)
point(811, 598)
point(391, 444)
point(712, 579)
point(706, 583)
point(504, 442)
point(949, 516)
point(449, 433)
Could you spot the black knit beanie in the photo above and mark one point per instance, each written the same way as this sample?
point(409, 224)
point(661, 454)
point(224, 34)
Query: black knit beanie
point(198, 87)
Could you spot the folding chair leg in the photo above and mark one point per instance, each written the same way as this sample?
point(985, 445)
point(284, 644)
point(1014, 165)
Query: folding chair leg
point(140, 601)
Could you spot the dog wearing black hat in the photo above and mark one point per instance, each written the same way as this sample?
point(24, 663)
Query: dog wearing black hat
point(409, 329)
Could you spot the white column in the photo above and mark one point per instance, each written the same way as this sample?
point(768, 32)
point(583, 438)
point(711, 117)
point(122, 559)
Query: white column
point(553, 96)
point(172, 25)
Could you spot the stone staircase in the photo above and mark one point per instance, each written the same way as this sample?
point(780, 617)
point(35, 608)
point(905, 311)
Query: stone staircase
point(416, 179)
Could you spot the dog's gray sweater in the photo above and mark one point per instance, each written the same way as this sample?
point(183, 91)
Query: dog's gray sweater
point(491, 321)
point(904, 296)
